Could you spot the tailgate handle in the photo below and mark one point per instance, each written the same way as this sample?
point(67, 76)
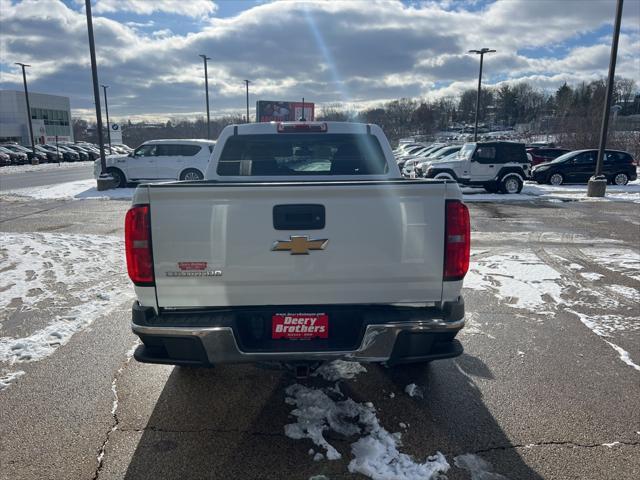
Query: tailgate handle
point(298, 217)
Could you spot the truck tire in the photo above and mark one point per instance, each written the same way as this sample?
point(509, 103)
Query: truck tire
point(118, 176)
point(511, 183)
point(191, 174)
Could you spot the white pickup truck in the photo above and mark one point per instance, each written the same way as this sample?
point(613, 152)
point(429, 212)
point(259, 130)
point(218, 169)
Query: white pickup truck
point(302, 244)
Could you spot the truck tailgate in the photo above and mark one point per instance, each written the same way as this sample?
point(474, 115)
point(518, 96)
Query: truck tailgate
point(213, 244)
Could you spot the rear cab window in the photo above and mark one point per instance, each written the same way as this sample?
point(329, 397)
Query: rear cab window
point(302, 154)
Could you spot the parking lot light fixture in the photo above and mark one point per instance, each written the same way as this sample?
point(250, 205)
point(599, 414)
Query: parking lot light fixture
point(482, 53)
point(597, 186)
point(106, 110)
point(206, 93)
point(26, 97)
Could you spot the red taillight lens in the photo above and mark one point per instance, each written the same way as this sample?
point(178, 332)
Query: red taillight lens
point(457, 239)
point(137, 240)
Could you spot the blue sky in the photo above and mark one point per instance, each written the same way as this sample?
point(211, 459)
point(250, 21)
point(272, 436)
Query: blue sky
point(356, 52)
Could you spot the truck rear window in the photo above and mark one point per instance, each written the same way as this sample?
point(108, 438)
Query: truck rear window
point(302, 154)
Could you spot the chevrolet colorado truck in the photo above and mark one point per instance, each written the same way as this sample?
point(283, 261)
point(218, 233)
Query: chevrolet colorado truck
point(302, 244)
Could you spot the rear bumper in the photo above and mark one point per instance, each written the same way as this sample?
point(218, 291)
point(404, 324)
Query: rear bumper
point(380, 334)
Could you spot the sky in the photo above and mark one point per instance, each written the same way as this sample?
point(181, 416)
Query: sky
point(355, 52)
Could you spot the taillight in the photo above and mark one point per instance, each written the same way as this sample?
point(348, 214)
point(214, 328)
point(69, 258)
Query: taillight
point(457, 240)
point(137, 240)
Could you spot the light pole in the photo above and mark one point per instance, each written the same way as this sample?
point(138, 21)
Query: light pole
point(480, 52)
point(246, 83)
point(206, 92)
point(26, 97)
point(106, 108)
point(597, 186)
point(104, 182)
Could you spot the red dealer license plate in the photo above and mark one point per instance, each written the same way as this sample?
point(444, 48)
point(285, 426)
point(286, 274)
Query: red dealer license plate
point(300, 325)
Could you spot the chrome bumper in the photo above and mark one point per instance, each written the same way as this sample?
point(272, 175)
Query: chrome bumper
point(377, 343)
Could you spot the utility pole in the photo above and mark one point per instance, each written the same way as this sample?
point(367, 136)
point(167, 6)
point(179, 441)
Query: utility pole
point(34, 159)
point(206, 92)
point(597, 186)
point(104, 182)
point(106, 108)
point(247, 82)
point(481, 53)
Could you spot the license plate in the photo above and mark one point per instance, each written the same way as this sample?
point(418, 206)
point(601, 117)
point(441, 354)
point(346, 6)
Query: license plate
point(300, 325)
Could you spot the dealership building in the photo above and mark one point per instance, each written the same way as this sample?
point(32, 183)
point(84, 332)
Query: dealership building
point(50, 117)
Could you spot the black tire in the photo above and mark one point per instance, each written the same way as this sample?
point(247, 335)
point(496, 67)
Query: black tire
point(491, 187)
point(191, 174)
point(620, 179)
point(118, 176)
point(510, 184)
point(557, 176)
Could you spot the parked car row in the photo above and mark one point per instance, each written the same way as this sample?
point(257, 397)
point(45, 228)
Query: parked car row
point(15, 154)
point(501, 166)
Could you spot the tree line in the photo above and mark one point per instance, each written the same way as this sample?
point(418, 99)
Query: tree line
point(572, 114)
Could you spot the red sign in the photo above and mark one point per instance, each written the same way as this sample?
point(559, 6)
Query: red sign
point(192, 265)
point(300, 325)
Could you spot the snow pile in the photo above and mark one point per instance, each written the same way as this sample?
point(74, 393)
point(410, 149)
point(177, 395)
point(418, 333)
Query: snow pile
point(478, 467)
point(413, 390)
point(82, 189)
point(79, 277)
point(375, 453)
point(339, 369)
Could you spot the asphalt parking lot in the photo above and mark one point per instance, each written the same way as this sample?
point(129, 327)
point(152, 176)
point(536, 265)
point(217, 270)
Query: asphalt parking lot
point(548, 386)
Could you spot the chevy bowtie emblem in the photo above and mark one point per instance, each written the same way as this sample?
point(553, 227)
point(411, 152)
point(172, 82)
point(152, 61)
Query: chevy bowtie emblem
point(299, 245)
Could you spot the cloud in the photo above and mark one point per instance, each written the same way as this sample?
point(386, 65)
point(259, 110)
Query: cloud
point(187, 8)
point(324, 51)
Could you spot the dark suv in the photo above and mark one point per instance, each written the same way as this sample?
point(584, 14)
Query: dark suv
point(580, 165)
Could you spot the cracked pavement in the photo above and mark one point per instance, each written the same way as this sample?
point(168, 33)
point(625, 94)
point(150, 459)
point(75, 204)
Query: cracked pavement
point(537, 395)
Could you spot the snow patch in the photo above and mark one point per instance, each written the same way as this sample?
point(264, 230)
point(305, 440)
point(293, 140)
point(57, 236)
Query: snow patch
point(375, 453)
point(78, 276)
point(13, 169)
point(478, 467)
point(78, 190)
point(339, 369)
point(596, 325)
point(521, 279)
point(591, 276)
point(413, 390)
point(7, 379)
point(622, 260)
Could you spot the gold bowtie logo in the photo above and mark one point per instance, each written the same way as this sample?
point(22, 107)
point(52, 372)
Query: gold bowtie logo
point(299, 245)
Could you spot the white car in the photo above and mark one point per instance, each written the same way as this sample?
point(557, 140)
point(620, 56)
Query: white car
point(160, 160)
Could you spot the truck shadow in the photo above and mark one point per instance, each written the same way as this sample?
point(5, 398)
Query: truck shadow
point(228, 422)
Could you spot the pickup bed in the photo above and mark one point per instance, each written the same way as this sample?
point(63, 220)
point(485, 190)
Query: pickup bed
point(302, 244)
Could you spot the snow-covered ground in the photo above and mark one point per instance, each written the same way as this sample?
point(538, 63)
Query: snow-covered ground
point(544, 284)
point(12, 169)
point(78, 190)
point(533, 191)
point(86, 189)
point(73, 278)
